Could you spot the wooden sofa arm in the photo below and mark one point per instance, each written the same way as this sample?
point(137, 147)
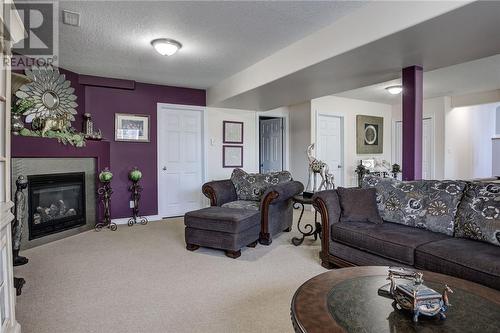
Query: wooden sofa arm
point(328, 205)
point(275, 194)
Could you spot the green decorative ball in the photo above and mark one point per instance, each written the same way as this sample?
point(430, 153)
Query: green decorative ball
point(105, 176)
point(135, 175)
point(25, 132)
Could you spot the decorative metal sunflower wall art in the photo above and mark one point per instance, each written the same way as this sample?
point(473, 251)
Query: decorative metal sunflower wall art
point(52, 96)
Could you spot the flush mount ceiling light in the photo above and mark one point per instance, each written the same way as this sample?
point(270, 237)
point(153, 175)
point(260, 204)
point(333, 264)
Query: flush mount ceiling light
point(166, 46)
point(394, 90)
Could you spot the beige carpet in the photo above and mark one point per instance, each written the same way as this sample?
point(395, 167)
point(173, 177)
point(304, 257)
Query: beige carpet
point(141, 279)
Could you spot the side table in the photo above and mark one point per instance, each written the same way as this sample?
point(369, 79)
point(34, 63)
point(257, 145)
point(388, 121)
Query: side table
point(299, 201)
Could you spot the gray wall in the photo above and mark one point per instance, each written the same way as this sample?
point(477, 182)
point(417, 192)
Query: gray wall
point(300, 138)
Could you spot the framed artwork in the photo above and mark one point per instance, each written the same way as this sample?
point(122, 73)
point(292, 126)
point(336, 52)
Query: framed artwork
point(369, 135)
point(131, 127)
point(232, 156)
point(232, 131)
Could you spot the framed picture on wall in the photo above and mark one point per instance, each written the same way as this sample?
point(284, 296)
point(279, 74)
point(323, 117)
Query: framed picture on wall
point(369, 135)
point(232, 156)
point(232, 131)
point(131, 127)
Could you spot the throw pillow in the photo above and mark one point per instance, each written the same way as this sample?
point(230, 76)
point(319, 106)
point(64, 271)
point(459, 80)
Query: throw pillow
point(426, 204)
point(251, 186)
point(358, 205)
point(478, 215)
point(441, 203)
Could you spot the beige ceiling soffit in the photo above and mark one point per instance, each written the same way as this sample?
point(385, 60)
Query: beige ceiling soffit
point(485, 97)
point(367, 24)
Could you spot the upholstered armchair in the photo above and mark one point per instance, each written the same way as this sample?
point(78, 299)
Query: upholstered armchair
point(272, 198)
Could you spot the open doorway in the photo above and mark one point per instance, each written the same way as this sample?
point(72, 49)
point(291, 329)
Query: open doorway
point(271, 144)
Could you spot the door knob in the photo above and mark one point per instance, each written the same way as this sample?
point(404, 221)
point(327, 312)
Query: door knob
point(339, 166)
point(164, 168)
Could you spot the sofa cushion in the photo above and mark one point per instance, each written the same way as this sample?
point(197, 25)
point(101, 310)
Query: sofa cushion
point(478, 215)
point(463, 258)
point(389, 240)
point(426, 204)
point(251, 186)
point(223, 219)
point(243, 204)
point(358, 204)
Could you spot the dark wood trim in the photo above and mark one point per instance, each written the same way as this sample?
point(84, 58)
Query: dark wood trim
point(233, 254)
point(327, 260)
point(209, 192)
point(192, 247)
point(265, 236)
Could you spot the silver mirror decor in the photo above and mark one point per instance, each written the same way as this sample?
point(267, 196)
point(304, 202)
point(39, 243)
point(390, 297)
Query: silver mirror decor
point(52, 97)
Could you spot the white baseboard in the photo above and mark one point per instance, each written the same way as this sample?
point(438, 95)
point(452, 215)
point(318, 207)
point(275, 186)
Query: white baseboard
point(124, 220)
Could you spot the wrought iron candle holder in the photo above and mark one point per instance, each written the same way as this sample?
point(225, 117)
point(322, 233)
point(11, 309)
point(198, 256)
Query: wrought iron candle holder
point(105, 192)
point(135, 175)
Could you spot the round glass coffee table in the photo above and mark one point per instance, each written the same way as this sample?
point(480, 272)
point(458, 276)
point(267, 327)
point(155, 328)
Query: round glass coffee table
point(347, 300)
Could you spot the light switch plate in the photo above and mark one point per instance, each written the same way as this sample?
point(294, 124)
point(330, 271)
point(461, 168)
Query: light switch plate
point(131, 204)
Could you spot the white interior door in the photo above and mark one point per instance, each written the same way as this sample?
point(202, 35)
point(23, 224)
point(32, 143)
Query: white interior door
point(180, 160)
point(329, 147)
point(398, 143)
point(427, 146)
point(271, 145)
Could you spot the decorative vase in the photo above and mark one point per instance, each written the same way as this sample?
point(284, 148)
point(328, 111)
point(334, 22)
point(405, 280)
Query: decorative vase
point(16, 124)
point(105, 176)
point(135, 174)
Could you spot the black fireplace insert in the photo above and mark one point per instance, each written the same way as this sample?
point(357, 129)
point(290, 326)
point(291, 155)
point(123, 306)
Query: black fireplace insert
point(56, 203)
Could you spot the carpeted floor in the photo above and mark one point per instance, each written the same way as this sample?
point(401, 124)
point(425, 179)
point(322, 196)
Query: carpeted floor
point(141, 279)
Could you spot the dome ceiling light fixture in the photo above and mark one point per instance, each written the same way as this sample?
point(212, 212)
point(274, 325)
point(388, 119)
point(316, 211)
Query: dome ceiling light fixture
point(166, 46)
point(394, 90)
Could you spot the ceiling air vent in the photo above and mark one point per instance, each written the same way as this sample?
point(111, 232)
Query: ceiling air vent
point(71, 18)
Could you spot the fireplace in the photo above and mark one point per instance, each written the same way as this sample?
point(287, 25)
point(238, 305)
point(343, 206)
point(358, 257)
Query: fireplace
point(56, 203)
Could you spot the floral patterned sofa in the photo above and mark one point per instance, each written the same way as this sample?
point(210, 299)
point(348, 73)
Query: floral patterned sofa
point(449, 227)
point(270, 194)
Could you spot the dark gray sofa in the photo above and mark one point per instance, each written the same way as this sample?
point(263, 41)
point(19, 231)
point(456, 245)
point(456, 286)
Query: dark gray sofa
point(270, 194)
point(471, 250)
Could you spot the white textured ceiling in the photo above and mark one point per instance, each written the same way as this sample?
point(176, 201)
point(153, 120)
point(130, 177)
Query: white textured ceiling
point(219, 38)
point(470, 77)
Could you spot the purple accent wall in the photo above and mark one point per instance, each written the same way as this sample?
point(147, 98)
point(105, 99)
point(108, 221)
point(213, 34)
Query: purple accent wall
point(100, 97)
point(103, 103)
point(412, 122)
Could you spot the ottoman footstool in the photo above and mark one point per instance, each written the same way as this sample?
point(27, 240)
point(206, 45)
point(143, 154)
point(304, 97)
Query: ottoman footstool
point(228, 229)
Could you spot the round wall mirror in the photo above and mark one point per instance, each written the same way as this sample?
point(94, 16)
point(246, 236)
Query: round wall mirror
point(370, 134)
point(50, 99)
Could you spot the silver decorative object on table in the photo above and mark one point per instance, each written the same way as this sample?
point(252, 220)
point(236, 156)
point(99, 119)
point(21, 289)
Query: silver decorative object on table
point(415, 296)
